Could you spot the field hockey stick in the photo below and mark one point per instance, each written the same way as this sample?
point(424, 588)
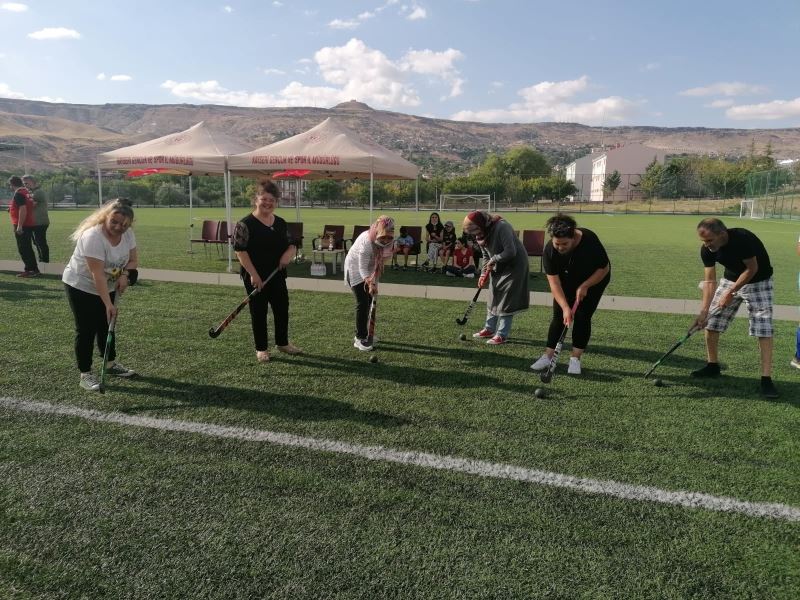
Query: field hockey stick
point(675, 346)
point(547, 374)
point(109, 342)
point(694, 329)
point(471, 307)
point(373, 313)
point(215, 331)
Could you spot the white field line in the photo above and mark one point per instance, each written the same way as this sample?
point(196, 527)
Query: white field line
point(480, 468)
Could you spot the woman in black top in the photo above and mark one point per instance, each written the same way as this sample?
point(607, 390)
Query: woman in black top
point(434, 231)
point(577, 269)
point(262, 244)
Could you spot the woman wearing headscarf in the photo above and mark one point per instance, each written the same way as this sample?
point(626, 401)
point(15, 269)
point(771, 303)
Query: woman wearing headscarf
point(506, 268)
point(363, 267)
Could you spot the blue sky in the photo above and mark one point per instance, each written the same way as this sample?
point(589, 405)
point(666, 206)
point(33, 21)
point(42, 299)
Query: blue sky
point(704, 63)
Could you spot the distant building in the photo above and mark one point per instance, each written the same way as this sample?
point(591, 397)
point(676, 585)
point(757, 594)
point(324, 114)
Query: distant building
point(579, 172)
point(630, 161)
point(589, 172)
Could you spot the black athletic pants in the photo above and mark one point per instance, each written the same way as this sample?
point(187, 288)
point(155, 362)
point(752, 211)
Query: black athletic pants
point(25, 248)
point(90, 325)
point(581, 320)
point(40, 241)
point(276, 295)
point(363, 302)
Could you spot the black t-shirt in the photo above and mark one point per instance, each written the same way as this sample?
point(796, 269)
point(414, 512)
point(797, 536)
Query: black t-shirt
point(434, 229)
point(263, 244)
point(579, 264)
point(741, 244)
point(449, 238)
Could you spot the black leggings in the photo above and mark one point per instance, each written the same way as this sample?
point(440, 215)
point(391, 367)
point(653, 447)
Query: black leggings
point(276, 295)
point(363, 302)
point(581, 320)
point(90, 325)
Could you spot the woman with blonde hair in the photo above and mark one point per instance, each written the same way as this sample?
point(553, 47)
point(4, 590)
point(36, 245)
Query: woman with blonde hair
point(363, 267)
point(262, 245)
point(103, 264)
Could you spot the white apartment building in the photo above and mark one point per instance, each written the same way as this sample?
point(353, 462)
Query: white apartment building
point(629, 160)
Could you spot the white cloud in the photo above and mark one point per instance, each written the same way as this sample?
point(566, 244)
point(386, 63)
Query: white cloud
point(55, 33)
point(553, 101)
point(277, 4)
point(723, 88)
point(766, 111)
point(310, 12)
point(441, 64)
point(351, 71)
point(6, 92)
point(651, 66)
point(417, 13)
point(365, 15)
point(101, 76)
point(274, 72)
point(720, 103)
point(228, 9)
point(121, 78)
point(343, 24)
point(305, 61)
point(14, 7)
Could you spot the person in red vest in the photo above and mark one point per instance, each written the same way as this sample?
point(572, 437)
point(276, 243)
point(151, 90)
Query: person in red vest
point(21, 211)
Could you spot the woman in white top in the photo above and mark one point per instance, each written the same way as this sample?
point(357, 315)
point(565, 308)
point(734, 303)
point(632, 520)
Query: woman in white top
point(103, 264)
point(362, 270)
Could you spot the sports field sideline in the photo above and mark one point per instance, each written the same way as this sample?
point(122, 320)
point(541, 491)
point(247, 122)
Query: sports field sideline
point(95, 504)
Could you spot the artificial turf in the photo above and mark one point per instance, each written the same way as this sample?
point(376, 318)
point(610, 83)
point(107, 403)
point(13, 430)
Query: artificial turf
point(651, 255)
point(100, 510)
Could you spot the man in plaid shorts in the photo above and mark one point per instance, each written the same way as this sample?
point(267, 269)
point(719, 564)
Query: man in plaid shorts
point(748, 279)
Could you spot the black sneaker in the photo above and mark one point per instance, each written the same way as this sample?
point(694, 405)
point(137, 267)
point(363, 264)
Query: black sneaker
point(710, 370)
point(768, 389)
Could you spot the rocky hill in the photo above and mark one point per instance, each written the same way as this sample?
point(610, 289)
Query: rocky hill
point(62, 135)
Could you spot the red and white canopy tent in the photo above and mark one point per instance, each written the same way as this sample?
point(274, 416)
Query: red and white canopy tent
point(329, 150)
point(196, 151)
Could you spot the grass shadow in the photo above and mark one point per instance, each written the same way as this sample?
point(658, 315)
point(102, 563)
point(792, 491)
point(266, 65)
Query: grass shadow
point(296, 407)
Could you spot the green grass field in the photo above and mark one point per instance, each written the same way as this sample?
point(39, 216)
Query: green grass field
point(651, 255)
point(93, 509)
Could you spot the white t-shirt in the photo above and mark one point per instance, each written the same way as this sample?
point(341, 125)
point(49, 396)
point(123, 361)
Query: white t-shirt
point(93, 244)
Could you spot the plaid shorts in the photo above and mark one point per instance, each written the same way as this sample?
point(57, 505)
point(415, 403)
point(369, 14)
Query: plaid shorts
point(757, 296)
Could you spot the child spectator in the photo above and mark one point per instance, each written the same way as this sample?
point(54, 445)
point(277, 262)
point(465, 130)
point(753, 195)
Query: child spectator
point(462, 261)
point(402, 244)
point(448, 243)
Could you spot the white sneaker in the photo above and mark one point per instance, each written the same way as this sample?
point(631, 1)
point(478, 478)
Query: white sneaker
point(450, 274)
point(90, 382)
point(469, 275)
point(360, 345)
point(574, 367)
point(120, 370)
point(542, 363)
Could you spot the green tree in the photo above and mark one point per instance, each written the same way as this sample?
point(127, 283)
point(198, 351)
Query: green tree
point(526, 162)
point(323, 189)
point(611, 183)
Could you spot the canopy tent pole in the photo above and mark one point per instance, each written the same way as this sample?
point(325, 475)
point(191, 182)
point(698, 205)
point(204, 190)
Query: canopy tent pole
point(227, 183)
point(371, 182)
point(416, 192)
point(99, 183)
point(297, 200)
point(191, 224)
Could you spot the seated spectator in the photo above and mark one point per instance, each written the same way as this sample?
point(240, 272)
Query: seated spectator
point(448, 243)
point(433, 235)
point(402, 245)
point(462, 261)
